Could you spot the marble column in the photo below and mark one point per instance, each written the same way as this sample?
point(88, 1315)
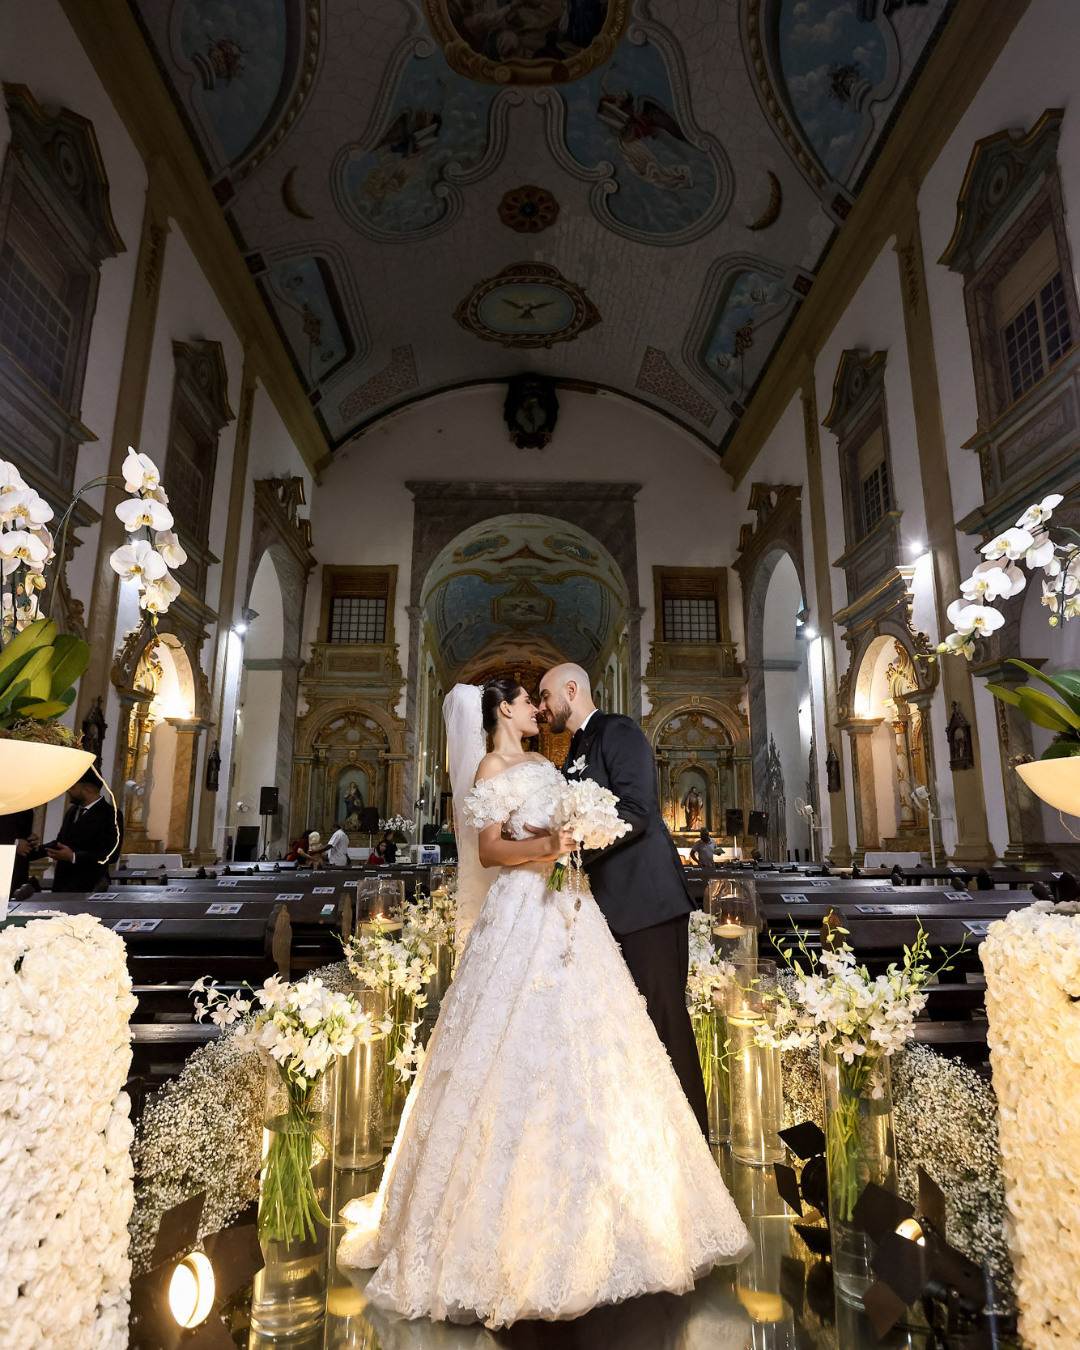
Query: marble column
point(860, 732)
point(182, 802)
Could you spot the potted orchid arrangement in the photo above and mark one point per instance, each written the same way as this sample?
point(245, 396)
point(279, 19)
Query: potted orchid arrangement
point(1054, 551)
point(40, 666)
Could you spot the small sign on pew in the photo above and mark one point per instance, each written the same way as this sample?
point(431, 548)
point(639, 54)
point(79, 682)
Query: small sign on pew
point(327, 910)
point(978, 927)
point(353, 884)
point(222, 908)
point(108, 895)
point(874, 909)
point(959, 896)
point(291, 895)
point(323, 890)
point(135, 925)
point(823, 881)
point(228, 881)
point(795, 899)
point(884, 890)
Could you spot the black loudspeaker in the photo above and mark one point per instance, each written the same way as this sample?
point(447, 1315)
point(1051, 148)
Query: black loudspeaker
point(759, 822)
point(369, 819)
point(733, 821)
point(268, 801)
point(428, 834)
point(247, 843)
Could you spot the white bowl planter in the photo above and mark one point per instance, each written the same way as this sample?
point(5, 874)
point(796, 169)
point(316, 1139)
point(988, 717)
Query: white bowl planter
point(31, 774)
point(1056, 781)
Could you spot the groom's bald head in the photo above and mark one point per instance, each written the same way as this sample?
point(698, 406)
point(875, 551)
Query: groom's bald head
point(566, 697)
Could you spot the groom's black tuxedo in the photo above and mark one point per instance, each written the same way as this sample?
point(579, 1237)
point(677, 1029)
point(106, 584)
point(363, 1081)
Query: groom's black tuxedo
point(638, 881)
point(639, 886)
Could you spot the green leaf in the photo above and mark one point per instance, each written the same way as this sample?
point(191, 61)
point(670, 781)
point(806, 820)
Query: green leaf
point(10, 674)
point(40, 633)
point(1061, 750)
point(1006, 695)
point(1045, 711)
point(72, 658)
point(8, 697)
point(1063, 686)
point(43, 712)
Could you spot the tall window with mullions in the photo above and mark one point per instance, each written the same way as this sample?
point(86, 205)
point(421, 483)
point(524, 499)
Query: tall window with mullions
point(357, 618)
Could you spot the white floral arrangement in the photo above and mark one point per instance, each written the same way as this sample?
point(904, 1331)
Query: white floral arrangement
point(27, 546)
point(707, 973)
point(1030, 542)
point(398, 824)
point(589, 812)
point(398, 965)
point(1032, 964)
point(66, 1189)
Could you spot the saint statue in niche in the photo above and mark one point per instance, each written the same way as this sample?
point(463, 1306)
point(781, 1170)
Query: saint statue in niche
point(353, 805)
point(961, 752)
point(692, 806)
point(832, 769)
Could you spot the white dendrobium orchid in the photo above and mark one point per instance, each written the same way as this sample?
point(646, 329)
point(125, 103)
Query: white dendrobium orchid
point(24, 509)
point(1012, 544)
point(958, 643)
point(159, 595)
point(140, 512)
point(991, 580)
point(1041, 551)
point(138, 562)
point(980, 619)
point(167, 544)
point(140, 473)
point(1037, 515)
point(20, 548)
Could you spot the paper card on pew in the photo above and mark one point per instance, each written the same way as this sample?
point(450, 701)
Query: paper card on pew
point(353, 884)
point(222, 908)
point(884, 890)
point(135, 925)
point(824, 881)
point(795, 899)
point(138, 874)
point(323, 890)
point(978, 927)
point(291, 895)
point(228, 881)
point(327, 910)
point(176, 890)
point(874, 909)
point(958, 896)
point(108, 895)
point(761, 876)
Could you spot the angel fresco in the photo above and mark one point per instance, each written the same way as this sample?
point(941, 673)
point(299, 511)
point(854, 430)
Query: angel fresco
point(636, 119)
point(401, 150)
point(527, 30)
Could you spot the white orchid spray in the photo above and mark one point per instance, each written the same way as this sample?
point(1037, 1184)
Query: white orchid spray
point(1053, 550)
point(707, 976)
point(590, 813)
point(303, 1028)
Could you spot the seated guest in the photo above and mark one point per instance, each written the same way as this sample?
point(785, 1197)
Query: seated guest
point(89, 839)
point(18, 829)
point(390, 849)
point(293, 854)
point(377, 857)
point(337, 849)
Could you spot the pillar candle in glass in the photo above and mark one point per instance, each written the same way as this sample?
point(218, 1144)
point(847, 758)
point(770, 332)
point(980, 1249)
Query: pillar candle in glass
point(361, 1086)
point(367, 900)
point(734, 923)
point(753, 1068)
point(391, 898)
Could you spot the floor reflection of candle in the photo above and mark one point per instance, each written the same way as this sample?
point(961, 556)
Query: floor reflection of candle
point(756, 1101)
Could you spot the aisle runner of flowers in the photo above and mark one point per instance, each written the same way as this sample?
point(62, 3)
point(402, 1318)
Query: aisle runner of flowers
point(1032, 964)
point(65, 1169)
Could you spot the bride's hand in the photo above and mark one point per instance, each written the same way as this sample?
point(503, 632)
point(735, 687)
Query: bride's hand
point(560, 841)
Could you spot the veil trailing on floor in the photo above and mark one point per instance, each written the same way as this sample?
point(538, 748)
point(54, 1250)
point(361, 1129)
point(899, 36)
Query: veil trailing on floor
point(466, 744)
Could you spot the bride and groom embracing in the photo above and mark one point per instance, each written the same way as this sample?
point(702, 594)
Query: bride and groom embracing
point(551, 1155)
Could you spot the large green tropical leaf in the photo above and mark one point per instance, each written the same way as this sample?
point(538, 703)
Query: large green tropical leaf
point(1061, 750)
point(72, 657)
point(1047, 712)
point(8, 697)
point(1004, 693)
point(43, 711)
point(1060, 683)
point(40, 633)
point(10, 673)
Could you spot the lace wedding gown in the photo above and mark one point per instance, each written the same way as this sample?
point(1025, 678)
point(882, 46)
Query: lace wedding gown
point(547, 1160)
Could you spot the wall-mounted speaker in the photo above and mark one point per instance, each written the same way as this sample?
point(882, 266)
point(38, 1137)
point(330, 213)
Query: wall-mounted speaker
point(759, 822)
point(369, 819)
point(268, 803)
point(733, 821)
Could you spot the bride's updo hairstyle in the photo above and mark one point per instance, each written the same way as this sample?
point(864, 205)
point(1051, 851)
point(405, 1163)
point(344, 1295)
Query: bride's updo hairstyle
point(495, 693)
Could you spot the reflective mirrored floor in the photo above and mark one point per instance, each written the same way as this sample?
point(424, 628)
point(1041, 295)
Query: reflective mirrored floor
point(780, 1298)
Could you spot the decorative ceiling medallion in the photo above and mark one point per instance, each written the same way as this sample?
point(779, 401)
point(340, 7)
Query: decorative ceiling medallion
point(528, 209)
point(528, 304)
point(528, 41)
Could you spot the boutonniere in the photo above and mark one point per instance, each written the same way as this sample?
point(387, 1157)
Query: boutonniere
point(577, 766)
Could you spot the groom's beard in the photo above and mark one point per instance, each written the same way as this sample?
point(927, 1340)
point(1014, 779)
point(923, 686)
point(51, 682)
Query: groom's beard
point(558, 717)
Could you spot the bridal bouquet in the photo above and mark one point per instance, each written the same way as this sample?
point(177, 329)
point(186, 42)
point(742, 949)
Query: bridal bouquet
point(588, 811)
point(302, 1028)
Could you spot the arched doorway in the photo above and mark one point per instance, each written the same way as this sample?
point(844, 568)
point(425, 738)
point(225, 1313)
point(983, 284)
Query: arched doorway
point(512, 596)
point(891, 755)
point(258, 712)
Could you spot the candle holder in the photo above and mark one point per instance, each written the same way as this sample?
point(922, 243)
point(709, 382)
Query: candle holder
point(391, 898)
point(734, 922)
point(757, 1109)
point(361, 1078)
point(367, 900)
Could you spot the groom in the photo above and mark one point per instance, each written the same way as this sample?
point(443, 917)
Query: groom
point(637, 882)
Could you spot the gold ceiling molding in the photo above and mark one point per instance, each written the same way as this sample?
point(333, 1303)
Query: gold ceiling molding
point(111, 39)
point(973, 39)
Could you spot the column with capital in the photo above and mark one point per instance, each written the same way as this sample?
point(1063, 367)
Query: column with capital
point(182, 804)
point(861, 731)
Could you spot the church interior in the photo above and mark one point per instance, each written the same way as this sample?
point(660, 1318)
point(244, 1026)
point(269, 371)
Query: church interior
point(710, 348)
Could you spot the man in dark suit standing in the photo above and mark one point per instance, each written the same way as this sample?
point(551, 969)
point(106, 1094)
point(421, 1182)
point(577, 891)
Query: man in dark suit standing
point(638, 882)
point(18, 829)
point(89, 839)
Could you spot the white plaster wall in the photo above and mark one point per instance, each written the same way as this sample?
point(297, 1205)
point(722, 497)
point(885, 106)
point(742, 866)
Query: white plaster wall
point(363, 513)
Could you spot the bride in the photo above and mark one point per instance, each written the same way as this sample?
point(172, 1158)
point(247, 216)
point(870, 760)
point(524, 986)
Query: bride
point(547, 1160)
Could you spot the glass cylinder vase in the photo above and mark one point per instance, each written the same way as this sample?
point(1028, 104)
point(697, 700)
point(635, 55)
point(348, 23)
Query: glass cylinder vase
point(289, 1293)
point(734, 916)
point(402, 1009)
point(860, 1147)
point(361, 1080)
point(710, 1032)
point(756, 1095)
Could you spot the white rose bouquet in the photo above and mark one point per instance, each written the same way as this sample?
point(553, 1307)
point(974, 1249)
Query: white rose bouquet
point(302, 1028)
point(589, 812)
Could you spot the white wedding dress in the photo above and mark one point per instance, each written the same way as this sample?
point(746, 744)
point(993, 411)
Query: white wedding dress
point(547, 1159)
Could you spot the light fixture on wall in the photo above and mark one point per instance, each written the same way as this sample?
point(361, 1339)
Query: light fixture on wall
point(246, 619)
point(810, 634)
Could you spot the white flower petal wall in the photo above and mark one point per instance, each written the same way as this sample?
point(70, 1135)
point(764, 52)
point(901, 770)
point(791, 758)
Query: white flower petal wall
point(1032, 964)
point(66, 1188)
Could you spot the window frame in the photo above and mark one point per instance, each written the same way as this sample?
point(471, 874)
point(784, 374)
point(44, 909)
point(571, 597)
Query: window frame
point(335, 582)
point(698, 583)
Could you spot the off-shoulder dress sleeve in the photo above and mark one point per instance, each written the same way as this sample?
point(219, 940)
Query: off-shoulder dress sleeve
point(485, 805)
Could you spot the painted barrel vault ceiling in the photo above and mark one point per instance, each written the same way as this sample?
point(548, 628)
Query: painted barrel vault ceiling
point(673, 170)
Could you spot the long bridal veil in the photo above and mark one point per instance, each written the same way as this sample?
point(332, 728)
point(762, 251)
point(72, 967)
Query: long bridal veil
point(466, 746)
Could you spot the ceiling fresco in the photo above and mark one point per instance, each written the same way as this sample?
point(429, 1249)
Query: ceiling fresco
point(528, 583)
point(686, 165)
